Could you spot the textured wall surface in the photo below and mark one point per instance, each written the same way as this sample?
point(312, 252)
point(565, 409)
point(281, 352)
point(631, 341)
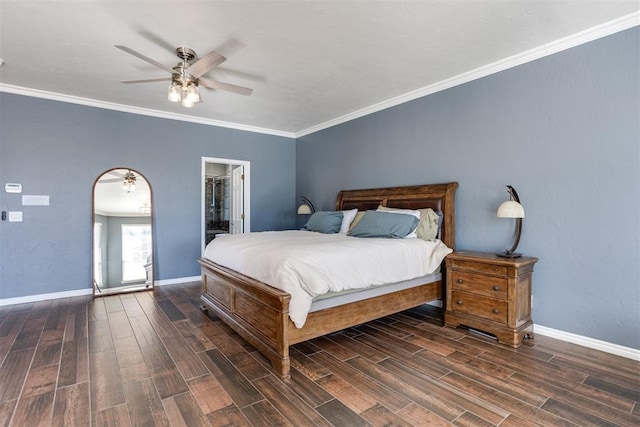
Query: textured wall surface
point(564, 131)
point(59, 149)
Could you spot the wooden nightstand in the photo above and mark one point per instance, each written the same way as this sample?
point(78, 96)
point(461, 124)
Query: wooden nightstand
point(490, 294)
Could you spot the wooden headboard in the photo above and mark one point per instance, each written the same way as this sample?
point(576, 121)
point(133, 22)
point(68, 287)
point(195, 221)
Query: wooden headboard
point(439, 197)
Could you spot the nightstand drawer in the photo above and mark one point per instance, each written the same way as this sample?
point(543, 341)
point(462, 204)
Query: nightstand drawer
point(487, 308)
point(490, 286)
point(480, 267)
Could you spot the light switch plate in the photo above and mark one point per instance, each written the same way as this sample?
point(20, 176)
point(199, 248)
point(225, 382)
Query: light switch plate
point(32, 200)
point(12, 187)
point(15, 216)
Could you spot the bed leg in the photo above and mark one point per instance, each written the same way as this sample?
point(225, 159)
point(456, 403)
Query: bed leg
point(204, 308)
point(282, 367)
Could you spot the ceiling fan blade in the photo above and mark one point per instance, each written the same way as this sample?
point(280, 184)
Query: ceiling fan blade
point(233, 73)
point(145, 58)
point(157, 40)
point(230, 46)
point(163, 79)
point(206, 63)
point(106, 181)
point(214, 84)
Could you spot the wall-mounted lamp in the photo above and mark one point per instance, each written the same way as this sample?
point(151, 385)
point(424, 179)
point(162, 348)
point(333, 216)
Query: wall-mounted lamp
point(306, 208)
point(512, 209)
point(145, 208)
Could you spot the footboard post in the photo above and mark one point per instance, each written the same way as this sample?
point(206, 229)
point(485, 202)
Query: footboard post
point(283, 366)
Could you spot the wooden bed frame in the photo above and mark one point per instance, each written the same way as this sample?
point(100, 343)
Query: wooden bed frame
point(260, 313)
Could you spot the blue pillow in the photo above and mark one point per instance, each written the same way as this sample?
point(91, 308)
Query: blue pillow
point(384, 224)
point(324, 222)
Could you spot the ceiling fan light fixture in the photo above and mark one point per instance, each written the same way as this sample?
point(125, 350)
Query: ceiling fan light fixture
point(187, 102)
point(174, 93)
point(129, 183)
point(193, 94)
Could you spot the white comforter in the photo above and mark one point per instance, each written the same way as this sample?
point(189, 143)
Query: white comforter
point(306, 264)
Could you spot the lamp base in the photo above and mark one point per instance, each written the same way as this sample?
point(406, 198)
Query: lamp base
point(507, 254)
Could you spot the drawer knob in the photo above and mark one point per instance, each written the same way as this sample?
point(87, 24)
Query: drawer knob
point(496, 311)
point(496, 288)
point(459, 280)
point(459, 302)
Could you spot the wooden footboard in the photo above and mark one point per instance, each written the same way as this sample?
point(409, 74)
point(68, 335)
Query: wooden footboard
point(260, 313)
point(257, 312)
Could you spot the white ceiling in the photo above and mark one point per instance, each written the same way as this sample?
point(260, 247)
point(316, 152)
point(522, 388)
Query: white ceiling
point(310, 63)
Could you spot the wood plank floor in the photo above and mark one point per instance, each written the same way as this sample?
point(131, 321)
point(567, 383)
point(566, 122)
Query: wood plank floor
point(153, 358)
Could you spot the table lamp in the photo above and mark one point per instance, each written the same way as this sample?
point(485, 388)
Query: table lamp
point(512, 209)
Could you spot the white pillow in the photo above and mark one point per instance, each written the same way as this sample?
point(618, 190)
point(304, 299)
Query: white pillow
point(347, 218)
point(413, 212)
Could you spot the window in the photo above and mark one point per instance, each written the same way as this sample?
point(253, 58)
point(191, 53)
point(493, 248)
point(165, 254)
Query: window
point(97, 253)
point(136, 248)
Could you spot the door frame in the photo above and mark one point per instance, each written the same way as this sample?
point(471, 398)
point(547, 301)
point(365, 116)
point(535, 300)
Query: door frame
point(247, 193)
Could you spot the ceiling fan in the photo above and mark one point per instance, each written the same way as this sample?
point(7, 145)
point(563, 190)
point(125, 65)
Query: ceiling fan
point(123, 176)
point(105, 177)
point(186, 76)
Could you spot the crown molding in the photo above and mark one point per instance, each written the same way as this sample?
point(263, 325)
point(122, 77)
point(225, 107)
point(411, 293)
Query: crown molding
point(623, 23)
point(18, 90)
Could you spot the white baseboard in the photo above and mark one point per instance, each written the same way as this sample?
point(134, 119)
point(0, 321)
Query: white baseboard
point(177, 281)
point(607, 347)
point(44, 297)
point(87, 291)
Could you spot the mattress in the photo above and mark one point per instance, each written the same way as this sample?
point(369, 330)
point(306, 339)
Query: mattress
point(335, 299)
point(307, 264)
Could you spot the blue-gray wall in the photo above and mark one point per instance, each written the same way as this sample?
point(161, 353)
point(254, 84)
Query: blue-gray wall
point(59, 149)
point(564, 131)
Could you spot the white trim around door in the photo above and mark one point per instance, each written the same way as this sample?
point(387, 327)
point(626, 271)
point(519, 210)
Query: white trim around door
point(247, 193)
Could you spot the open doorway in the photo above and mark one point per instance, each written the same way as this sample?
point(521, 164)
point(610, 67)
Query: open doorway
point(225, 198)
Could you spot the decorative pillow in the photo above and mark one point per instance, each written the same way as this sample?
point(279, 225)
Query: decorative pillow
point(429, 224)
point(440, 221)
point(356, 220)
point(384, 224)
point(412, 212)
point(324, 222)
point(347, 218)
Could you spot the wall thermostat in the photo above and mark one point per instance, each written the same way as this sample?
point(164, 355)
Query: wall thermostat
point(11, 187)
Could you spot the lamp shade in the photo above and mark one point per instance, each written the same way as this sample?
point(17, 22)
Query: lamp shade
point(510, 209)
point(304, 209)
